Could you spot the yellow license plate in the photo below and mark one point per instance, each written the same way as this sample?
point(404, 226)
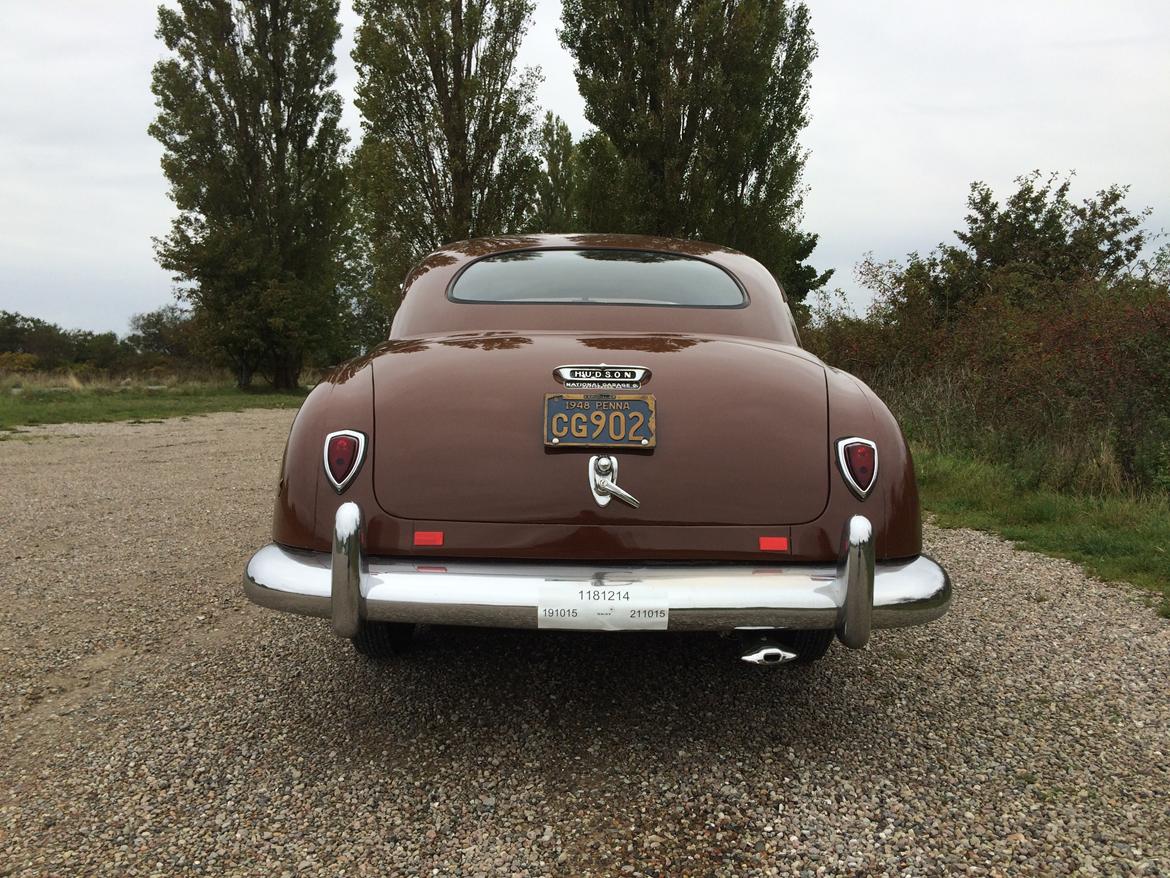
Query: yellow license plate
point(618, 420)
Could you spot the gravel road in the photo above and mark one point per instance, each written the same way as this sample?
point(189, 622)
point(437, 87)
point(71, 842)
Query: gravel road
point(152, 722)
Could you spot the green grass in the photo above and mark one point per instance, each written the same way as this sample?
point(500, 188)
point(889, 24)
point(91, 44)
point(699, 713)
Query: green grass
point(1115, 537)
point(30, 406)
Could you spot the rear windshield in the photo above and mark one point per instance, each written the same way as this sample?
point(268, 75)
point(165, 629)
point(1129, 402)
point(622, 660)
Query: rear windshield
point(597, 277)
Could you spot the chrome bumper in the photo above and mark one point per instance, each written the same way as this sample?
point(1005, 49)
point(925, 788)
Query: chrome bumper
point(851, 597)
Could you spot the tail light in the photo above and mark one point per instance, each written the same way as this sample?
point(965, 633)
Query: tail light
point(773, 544)
point(858, 460)
point(344, 451)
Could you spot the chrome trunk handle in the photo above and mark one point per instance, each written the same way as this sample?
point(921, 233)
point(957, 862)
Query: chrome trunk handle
point(603, 473)
point(608, 487)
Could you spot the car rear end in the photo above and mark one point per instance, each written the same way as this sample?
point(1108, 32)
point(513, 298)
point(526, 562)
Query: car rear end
point(632, 441)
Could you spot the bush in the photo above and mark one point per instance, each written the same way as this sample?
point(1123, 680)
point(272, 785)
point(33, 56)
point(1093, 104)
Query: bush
point(14, 363)
point(1066, 379)
point(1074, 392)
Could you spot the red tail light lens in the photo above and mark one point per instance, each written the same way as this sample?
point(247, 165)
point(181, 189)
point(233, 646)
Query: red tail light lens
point(773, 544)
point(858, 460)
point(343, 455)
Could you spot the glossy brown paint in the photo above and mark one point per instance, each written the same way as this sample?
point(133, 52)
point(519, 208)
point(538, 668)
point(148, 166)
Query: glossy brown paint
point(451, 404)
point(733, 417)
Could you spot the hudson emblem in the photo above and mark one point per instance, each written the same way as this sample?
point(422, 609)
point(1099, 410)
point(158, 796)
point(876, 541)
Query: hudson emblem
point(602, 377)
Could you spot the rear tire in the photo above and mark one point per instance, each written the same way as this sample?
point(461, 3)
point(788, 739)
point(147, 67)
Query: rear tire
point(809, 646)
point(382, 640)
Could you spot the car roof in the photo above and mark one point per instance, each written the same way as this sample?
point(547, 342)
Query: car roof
point(479, 247)
point(427, 308)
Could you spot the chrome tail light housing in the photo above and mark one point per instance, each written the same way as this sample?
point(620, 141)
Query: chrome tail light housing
point(344, 452)
point(857, 459)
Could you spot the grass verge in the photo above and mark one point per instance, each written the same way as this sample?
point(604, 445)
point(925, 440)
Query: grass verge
point(1115, 537)
point(30, 406)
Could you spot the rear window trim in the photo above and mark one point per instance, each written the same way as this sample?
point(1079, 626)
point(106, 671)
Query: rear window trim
point(451, 297)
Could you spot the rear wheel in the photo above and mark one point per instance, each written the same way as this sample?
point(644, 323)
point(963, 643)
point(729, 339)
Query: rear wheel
point(379, 640)
point(808, 645)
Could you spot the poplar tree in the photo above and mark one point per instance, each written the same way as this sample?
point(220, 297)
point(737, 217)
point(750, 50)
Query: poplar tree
point(250, 127)
point(449, 138)
point(703, 103)
point(557, 185)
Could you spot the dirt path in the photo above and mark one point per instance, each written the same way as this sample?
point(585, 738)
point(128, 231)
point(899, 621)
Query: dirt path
point(152, 722)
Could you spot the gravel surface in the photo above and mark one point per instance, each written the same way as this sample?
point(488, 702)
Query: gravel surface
point(152, 722)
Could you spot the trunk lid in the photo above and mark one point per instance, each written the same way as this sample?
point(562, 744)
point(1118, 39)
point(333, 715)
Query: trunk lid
point(741, 431)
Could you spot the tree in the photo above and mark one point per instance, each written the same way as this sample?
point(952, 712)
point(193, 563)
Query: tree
point(601, 202)
point(702, 102)
point(250, 127)
point(167, 331)
point(369, 310)
point(1038, 246)
point(52, 346)
point(30, 342)
point(556, 188)
point(449, 133)
point(1156, 269)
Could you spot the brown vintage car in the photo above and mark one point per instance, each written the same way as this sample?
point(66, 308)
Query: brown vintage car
point(598, 432)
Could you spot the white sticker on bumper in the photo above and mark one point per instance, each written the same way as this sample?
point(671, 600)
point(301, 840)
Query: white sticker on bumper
point(603, 606)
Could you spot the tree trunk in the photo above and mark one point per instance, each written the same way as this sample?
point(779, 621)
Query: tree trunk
point(243, 375)
point(286, 374)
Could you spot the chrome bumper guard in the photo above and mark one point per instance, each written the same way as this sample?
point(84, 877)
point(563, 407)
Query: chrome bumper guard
point(852, 597)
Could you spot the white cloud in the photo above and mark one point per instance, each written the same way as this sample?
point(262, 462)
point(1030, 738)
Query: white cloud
point(911, 101)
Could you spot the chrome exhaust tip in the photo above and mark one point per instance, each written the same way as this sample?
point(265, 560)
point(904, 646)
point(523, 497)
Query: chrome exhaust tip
point(768, 654)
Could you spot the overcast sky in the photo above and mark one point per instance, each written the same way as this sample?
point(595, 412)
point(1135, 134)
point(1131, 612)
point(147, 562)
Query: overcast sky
point(911, 101)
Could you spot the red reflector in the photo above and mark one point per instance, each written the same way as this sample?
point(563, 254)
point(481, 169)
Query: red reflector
point(773, 544)
point(861, 458)
point(342, 457)
point(428, 538)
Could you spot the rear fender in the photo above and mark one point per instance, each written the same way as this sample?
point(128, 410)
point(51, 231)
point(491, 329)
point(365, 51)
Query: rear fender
point(306, 501)
point(892, 506)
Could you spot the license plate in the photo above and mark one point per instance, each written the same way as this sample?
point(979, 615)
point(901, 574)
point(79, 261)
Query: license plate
point(578, 420)
point(602, 606)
